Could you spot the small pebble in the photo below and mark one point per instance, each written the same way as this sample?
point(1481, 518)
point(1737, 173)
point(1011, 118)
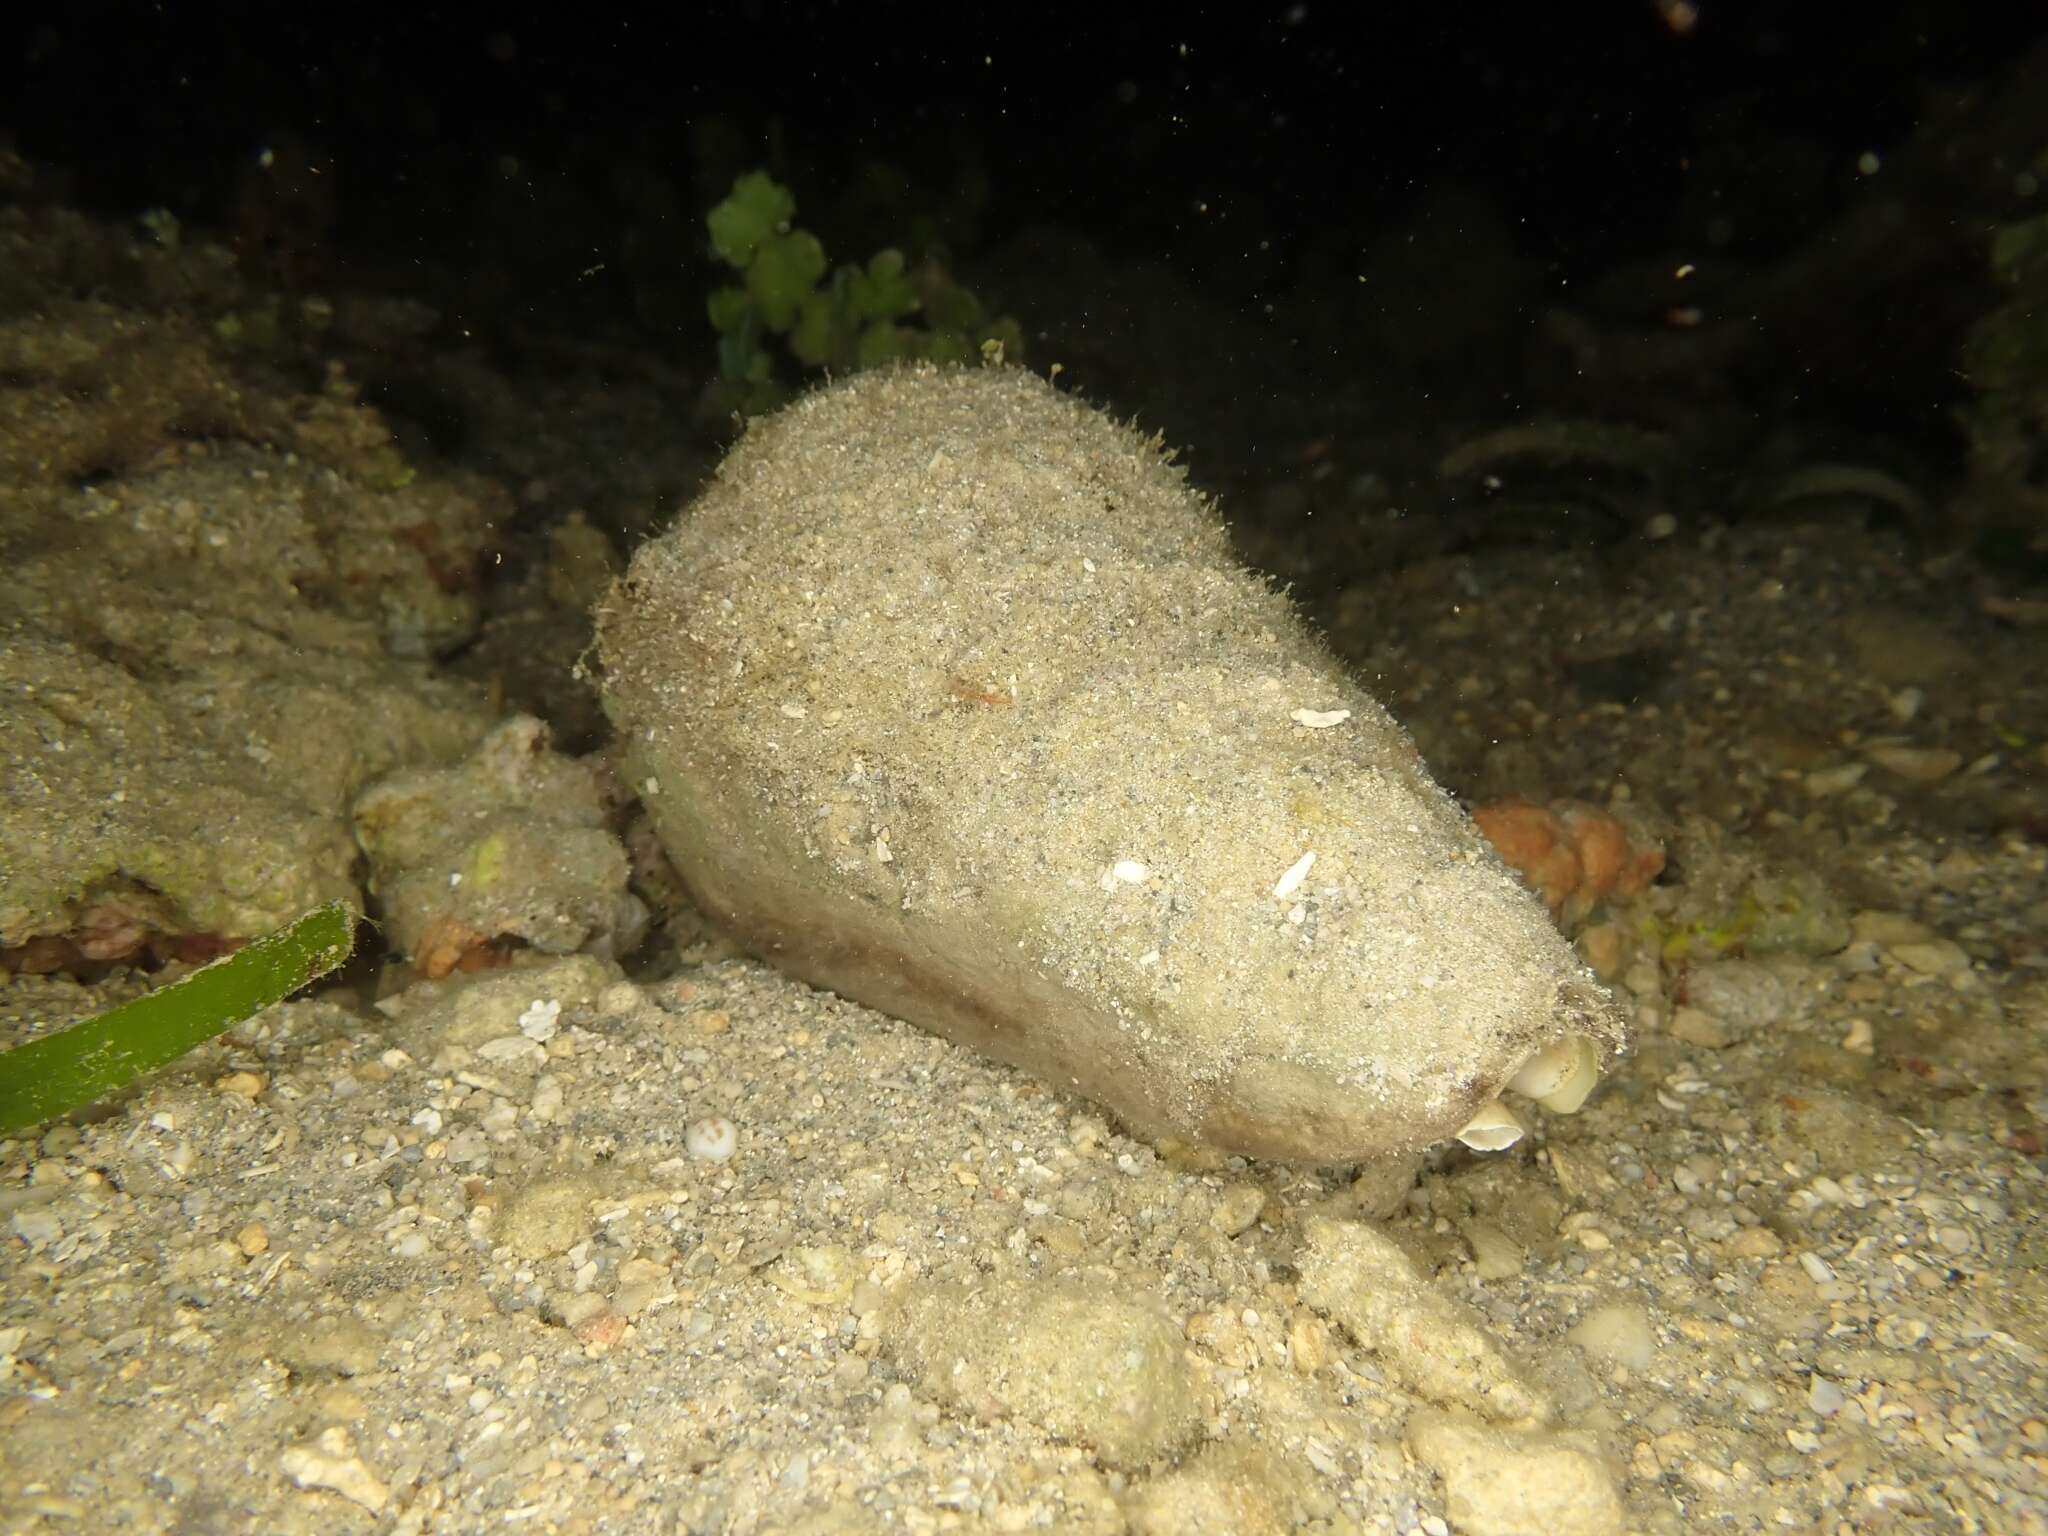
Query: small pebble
point(37, 1226)
point(713, 1138)
point(599, 1332)
point(1697, 1027)
point(1618, 1333)
point(1495, 1255)
point(1237, 1208)
point(1756, 1396)
point(620, 997)
point(1824, 782)
point(1756, 1243)
point(509, 1048)
point(1824, 1397)
point(1918, 765)
point(1936, 957)
point(329, 1462)
point(547, 1098)
point(1889, 928)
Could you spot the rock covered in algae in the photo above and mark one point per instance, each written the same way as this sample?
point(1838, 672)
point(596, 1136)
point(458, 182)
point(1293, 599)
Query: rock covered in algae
point(947, 695)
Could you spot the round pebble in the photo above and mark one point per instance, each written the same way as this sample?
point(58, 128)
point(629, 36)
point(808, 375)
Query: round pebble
point(713, 1138)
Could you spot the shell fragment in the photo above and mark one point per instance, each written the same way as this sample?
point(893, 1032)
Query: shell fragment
point(1494, 1129)
point(1560, 1075)
point(1297, 872)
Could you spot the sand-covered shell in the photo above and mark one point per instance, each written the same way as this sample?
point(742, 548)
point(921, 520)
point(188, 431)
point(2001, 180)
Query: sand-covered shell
point(947, 695)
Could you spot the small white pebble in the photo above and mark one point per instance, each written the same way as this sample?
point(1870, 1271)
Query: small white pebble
point(1320, 719)
point(1126, 872)
point(712, 1139)
point(1816, 1268)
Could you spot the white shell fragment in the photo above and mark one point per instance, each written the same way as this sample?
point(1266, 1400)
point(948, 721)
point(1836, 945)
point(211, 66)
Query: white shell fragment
point(1494, 1129)
point(1297, 872)
point(1126, 872)
point(1320, 719)
point(1560, 1075)
point(712, 1139)
point(539, 1021)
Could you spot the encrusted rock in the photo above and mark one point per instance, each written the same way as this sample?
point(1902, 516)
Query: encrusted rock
point(948, 696)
